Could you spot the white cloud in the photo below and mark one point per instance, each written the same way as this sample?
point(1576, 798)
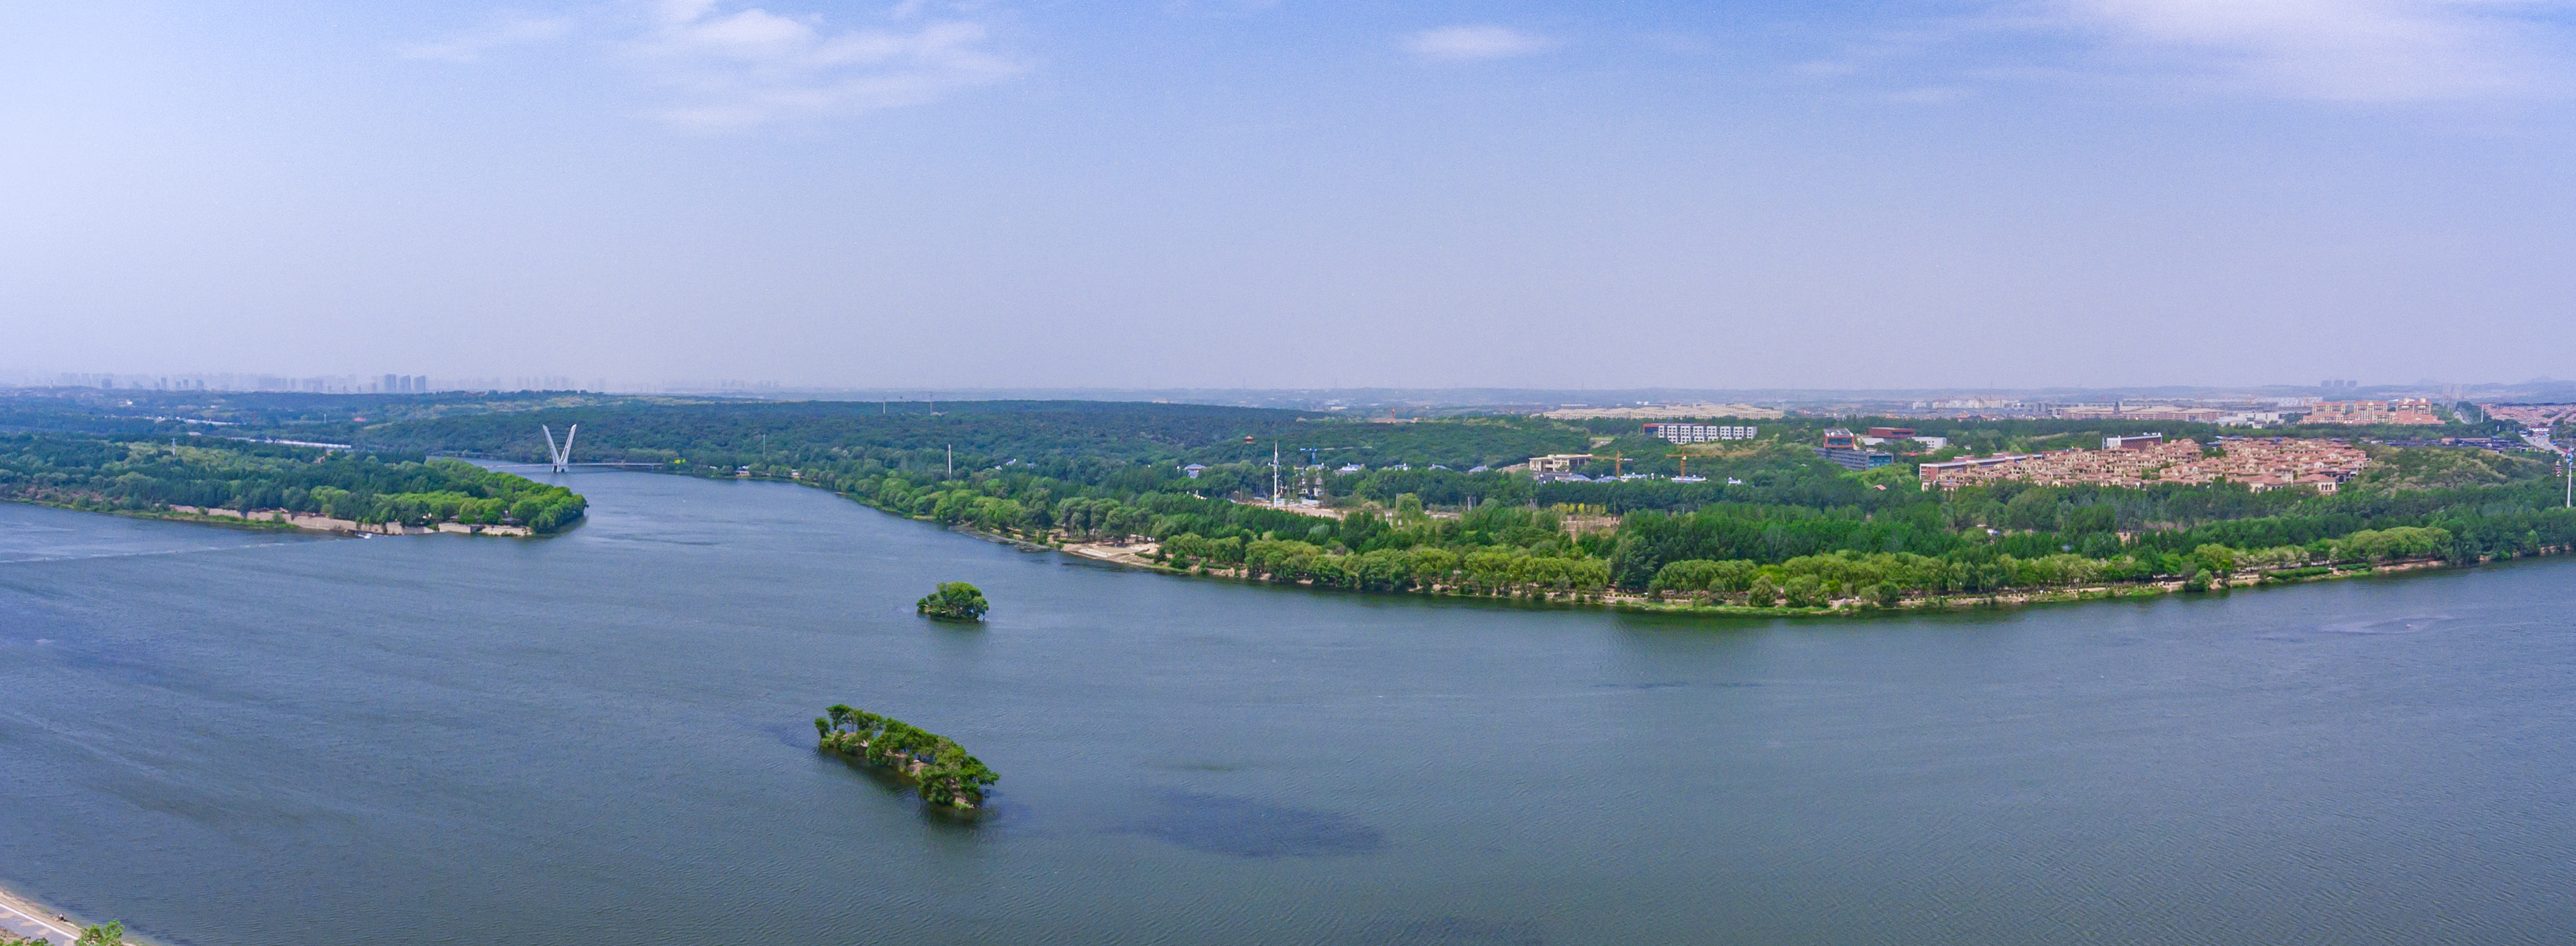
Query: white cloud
point(1458, 43)
point(504, 30)
point(2355, 50)
point(752, 67)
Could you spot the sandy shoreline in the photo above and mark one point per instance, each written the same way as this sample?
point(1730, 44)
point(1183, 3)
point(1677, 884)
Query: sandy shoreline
point(26, 917)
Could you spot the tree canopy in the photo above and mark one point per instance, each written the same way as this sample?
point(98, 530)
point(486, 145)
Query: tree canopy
point(942, 771)
point(142, 475)
point(955, 601)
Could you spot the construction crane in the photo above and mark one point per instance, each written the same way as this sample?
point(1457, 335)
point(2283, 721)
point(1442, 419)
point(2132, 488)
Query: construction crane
point(1685, 458)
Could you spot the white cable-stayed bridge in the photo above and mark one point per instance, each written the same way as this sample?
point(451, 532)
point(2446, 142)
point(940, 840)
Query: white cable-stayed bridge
point(559, 458)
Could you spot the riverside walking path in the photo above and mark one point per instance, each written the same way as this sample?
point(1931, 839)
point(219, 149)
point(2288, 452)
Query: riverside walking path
point(21, 917)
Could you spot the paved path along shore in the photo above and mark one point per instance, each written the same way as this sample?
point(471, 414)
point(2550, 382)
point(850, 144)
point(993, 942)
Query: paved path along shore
point(23, 918)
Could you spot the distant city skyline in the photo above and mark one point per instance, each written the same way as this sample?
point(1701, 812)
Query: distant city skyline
point(1969, 194)
point(2530, 390)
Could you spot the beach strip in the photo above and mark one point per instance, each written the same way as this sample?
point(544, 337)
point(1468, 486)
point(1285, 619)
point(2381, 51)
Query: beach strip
point(25, 917)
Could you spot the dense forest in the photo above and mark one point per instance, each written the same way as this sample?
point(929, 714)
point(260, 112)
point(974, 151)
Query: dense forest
point(141, 476)
point(1771, 524)
point(723, 437)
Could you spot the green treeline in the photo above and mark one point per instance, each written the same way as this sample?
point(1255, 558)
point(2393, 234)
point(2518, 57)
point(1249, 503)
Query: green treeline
point(1770, 524)
point(1794, 540)
point(942, 771)
point(906, 435)
point(1891, 544)
point(101, 473)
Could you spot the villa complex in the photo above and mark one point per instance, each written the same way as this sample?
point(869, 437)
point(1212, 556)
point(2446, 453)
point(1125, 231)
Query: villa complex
point(2401, 411)
point(2532, 415)
point(2261, 464)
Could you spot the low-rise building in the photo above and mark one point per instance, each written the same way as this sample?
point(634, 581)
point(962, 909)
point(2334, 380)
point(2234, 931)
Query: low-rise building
point(1914, 441)
point(1699, 433)
point(1855, 459)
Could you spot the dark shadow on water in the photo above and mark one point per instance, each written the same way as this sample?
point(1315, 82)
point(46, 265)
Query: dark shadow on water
point(2408, 624)
point(900, 790)
point(656, 540)
point(1675, 684)
point(795, 735)
point(1243, 827)
point(1442, 931)
point(882, 777)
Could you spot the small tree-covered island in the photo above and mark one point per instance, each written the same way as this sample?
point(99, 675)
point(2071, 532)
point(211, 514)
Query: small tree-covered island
point(954, 601)
point(939, 769)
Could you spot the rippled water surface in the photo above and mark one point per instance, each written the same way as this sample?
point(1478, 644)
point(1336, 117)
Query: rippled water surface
point(226, 737)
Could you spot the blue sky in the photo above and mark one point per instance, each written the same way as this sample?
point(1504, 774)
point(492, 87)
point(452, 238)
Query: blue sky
point(1222, 193)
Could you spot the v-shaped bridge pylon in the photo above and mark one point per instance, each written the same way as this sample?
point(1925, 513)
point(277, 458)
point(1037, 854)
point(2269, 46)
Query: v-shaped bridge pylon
point(562, 456)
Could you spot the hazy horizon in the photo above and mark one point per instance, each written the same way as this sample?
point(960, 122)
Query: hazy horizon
point(1368, 399)
point(1274, 195)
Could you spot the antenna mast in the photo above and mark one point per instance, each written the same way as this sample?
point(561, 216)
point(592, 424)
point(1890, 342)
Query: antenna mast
point(1275, 498)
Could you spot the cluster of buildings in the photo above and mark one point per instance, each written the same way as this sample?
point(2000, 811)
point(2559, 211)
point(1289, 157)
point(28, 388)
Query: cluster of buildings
point(1700, 433)
point(1557, 467)
point(2148, 412)
point(2261, 464)
point(1650, 410)
point(2533, 416)
point(2241, 416)
point(1851, 451)
point(2401, 411)
point(2273, 411)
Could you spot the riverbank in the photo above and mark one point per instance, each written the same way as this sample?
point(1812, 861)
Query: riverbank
point(1144, 556)
point(23, 917)
point(1850, 602)
point(281, 520)
point(164, 516)
point(313, 523)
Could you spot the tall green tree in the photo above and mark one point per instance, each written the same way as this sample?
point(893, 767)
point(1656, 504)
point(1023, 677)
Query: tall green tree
point(956, 601)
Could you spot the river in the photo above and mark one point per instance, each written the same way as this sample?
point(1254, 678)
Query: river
point(235, 739)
